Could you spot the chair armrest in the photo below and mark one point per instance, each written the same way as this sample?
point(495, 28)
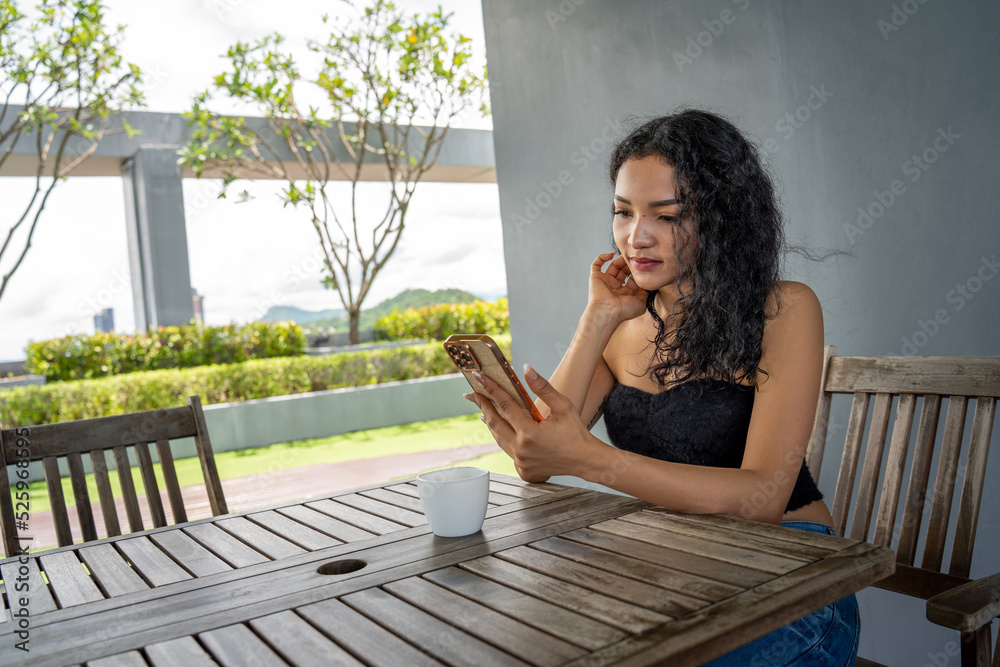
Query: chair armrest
point(968, 607)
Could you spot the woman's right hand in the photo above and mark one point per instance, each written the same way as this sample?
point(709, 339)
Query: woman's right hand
point(612, 291)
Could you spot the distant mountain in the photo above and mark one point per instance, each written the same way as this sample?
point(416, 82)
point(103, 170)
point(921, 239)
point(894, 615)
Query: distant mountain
point(293, 314)
point(411, 298)
point(418, 298)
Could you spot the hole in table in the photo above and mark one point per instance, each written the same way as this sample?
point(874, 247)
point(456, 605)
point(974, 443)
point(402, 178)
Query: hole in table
point(342, 566)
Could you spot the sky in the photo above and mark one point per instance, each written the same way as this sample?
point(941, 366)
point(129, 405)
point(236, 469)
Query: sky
point(244, 257)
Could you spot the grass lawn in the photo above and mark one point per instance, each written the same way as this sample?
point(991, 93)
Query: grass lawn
point(451, 433)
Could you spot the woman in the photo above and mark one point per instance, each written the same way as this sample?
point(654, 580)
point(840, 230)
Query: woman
point(705, 366)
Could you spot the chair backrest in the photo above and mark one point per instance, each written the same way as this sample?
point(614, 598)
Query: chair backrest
point(905, 381)
point(118, 434)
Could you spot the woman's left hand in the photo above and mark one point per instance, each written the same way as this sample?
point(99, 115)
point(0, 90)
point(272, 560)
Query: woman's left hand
point(557, 445)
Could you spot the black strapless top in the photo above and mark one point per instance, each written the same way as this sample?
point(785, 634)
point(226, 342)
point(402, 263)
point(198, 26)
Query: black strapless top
point(702, 422)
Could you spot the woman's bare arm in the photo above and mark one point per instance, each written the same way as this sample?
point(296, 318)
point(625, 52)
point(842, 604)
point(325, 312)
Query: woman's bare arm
point(779, 430)
point(784, 406)
point(582, 375)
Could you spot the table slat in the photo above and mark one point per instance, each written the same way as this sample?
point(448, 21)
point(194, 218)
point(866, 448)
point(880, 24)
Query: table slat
point(262, 540)
point(600, 581)
point(384, 510)
point(156, 567)
point(69, 580)
point(238, 646)
point(181, 652)
point(545, 616)
point(371, 643)
point(618, 538)
point(719, 628)
point(195, 558)
point(817, 542)
point(627, 617)
point(431, 634)
point(500, 499)
point(738, 548)
point(406, 488)
point(520, 639)
point(326, 523)
point(32, 587)
point(659, 575)
point(517, 491)
point(393, 498)
point(727, 533)
point(111, 570)
point(292, 530)
point(300, 643)
point(747, 558)
point(225, 546)
point(130, 659)
point(373, 524)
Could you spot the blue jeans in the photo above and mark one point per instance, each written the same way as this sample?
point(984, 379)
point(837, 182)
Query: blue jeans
point(826, 637)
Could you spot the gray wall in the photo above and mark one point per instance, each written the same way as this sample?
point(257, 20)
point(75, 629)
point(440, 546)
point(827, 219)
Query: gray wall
point(876, 86)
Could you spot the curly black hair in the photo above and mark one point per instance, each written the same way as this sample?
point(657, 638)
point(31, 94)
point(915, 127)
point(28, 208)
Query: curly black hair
point(729, 200)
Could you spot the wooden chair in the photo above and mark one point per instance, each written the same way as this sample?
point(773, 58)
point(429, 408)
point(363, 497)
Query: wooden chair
point(117, 434)
point(952, 599)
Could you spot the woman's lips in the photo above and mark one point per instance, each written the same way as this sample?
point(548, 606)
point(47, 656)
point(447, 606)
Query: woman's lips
point(644, 264)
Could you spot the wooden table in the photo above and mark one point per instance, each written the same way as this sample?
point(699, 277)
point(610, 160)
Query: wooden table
point(558, 576)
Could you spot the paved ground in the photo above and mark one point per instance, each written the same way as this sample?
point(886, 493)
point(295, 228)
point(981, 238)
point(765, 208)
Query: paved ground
point(271, 488)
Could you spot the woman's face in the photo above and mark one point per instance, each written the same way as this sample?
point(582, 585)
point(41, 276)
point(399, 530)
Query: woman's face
point(648, 227)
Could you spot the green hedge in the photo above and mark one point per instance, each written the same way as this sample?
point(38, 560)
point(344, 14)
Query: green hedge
point(439, 322)
point(81, 399)
point(108, 354)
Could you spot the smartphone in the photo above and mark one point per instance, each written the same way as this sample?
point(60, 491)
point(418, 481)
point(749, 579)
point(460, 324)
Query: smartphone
point(479, 353)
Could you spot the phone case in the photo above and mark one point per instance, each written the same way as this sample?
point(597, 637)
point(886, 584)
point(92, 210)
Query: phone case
point(479, 352)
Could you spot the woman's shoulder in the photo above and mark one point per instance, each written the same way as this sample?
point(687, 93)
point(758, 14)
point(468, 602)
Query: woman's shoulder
point(793, 310)
point(792, 348)
point(795, 322)
point(789, 298)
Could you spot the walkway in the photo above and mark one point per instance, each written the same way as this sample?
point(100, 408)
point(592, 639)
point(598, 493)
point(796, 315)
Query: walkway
point(278, 486)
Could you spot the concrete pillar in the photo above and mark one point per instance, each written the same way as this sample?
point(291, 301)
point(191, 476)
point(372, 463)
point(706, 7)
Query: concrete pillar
point(157, 238)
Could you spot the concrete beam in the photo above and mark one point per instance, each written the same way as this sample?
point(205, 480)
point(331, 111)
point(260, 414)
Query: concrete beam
point(466, 155)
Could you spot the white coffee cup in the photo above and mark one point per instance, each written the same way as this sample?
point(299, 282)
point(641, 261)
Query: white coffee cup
point(454, 499)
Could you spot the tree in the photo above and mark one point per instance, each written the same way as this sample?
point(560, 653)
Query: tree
point(61, 79)
point(386, 89)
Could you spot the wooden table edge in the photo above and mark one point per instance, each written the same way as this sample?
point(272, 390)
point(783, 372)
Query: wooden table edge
point(872, 563)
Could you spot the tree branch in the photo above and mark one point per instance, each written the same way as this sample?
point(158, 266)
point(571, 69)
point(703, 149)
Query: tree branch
point(381, 72)
point(27, 244)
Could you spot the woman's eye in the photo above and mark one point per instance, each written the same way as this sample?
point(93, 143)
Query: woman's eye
point(669, 218)
point(622, 213)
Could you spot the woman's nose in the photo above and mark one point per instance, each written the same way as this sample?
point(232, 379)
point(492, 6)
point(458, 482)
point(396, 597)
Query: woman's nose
point(640, 236)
